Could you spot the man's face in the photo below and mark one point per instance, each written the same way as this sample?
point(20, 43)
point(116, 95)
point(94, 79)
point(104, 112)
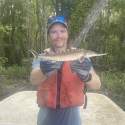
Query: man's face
point(58, 35)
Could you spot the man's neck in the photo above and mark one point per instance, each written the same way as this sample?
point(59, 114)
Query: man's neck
point(59, 49)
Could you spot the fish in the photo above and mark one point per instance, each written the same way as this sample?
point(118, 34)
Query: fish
point(68, 55)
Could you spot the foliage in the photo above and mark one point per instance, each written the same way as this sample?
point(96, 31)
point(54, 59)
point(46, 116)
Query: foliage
point(12, 14)
point(15, 72)
point(114, 85)
point(22, 27)
point(107, 35)
point(112, 36)
point(3, 61)
point(79, 12)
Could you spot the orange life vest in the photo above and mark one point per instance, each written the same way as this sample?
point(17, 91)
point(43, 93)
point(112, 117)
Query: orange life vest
point(71, 89)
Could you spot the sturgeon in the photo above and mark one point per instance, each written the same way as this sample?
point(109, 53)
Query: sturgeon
point(68, 55)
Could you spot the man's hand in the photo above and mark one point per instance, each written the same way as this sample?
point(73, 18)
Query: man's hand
point(82, 69)
point(48, 66)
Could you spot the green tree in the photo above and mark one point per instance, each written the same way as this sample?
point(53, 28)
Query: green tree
point(12, 18)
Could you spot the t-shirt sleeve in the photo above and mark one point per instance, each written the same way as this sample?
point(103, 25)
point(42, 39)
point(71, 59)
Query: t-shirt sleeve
point(36, 63)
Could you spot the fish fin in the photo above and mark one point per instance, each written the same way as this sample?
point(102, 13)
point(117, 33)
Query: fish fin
point(34, 53)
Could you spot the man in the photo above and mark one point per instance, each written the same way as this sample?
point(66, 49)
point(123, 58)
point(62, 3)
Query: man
point(61, 84)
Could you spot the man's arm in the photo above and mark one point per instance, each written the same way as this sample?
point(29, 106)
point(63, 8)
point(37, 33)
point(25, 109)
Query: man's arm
point(43, 69)
point(36, 76)
point(95, 82)
point(86, 73)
